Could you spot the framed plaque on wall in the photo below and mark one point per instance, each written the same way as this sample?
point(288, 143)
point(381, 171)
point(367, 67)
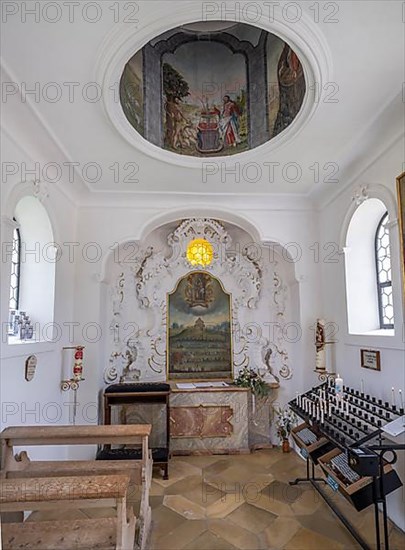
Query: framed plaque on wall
point(370, 359)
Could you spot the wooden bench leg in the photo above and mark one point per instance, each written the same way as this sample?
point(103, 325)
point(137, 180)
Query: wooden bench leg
point(126, 524)
point(145, 513)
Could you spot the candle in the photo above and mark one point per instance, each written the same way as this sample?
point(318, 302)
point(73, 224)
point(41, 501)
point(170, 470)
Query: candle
point(322, 416)
point(393, 396)
point(401, 401)
point(339, 386)
point(362, 386)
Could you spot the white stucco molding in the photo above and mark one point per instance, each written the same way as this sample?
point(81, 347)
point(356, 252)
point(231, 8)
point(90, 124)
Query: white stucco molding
point(374, 191)
point(304, 36)
point(174, 216)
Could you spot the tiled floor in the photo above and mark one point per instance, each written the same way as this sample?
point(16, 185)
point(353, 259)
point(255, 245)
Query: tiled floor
point(245, 502)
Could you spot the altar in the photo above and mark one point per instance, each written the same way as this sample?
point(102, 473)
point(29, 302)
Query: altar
point(209, 420)
point(198, 420)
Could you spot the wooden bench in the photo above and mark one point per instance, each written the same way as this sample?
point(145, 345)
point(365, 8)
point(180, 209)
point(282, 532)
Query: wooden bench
point(19, 495)
point(20, 466)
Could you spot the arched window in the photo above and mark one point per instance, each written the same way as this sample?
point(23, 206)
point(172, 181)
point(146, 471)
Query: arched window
point(368, 270)
point(32, 281)
point(384, 279)
point(15, 270)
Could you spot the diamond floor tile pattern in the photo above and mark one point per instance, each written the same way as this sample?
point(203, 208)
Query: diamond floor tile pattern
point(244, 502)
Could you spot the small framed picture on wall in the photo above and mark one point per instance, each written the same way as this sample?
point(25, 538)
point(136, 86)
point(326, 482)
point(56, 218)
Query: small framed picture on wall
point(370, 359)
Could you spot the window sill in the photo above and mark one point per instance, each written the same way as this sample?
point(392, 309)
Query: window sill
point(378, 332)
point(15, 341)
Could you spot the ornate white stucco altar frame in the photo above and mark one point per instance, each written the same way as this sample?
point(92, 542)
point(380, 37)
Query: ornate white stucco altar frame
point(152, 274)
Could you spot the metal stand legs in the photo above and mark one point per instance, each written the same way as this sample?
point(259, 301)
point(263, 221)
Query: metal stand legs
point(314, 481)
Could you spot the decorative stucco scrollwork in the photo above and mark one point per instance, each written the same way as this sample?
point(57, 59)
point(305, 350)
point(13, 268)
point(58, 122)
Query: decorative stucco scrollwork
point(139, 294)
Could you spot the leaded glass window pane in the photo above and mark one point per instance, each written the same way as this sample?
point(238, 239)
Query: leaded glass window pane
point(384, 279)
point(15, 270)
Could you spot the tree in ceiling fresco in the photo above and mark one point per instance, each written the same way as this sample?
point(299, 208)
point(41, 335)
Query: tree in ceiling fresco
point(201, 91)
point(204, 103)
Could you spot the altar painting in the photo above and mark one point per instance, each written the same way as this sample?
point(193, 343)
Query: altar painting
point(199, 330)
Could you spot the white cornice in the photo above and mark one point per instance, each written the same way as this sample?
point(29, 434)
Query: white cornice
point(169, 201)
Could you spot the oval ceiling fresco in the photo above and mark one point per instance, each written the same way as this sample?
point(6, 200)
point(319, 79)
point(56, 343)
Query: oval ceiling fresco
point(212, 89)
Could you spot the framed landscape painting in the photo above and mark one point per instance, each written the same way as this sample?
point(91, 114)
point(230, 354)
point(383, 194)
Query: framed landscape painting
point(199, 339)
point(401, 217)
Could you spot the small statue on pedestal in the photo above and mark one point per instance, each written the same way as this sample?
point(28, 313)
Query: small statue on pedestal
point(130, 372)
point(320, 344)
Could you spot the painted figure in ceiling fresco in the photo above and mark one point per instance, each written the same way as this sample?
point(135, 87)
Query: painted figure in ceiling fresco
point(291, 83)
point(230, 122)
point(179, 132)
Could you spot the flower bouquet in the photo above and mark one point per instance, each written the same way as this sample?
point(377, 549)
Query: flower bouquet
point(249, 378)
point(286, 419)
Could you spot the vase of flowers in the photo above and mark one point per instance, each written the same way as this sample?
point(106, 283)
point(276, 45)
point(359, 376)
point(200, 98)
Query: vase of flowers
point(284, 423)
point(249, 378)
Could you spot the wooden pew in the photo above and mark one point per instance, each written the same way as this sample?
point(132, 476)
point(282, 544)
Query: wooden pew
point(68, 492)
point(20, 466)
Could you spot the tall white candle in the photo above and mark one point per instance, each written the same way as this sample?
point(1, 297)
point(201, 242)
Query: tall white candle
point(401, 400)
point(339, 386)
point(362, 386)
point(393, 396)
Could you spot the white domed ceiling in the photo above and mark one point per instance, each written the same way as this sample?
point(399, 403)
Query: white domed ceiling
point(212, 89)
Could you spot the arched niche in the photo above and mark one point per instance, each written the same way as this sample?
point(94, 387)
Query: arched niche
point(139, 274)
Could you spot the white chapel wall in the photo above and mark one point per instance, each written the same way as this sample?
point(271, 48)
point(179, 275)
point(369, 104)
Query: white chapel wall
point(380, 183)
